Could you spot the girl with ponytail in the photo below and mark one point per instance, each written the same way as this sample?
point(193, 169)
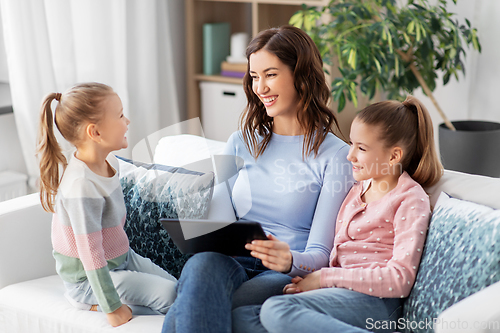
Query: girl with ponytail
point(99, 269)
point(379, 236)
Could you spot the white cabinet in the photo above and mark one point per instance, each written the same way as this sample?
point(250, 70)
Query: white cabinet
point(221, 107)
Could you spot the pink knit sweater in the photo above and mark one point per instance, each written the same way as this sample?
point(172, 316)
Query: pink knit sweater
point(378, 245)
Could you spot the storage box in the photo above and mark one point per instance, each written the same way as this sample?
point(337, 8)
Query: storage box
point(221, 107)
point(215, 46)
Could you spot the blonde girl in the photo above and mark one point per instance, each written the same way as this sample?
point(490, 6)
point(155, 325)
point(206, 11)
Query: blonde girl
point(380, 232)
point(91, 248)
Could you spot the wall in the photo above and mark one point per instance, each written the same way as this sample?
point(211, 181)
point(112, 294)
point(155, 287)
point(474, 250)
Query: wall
point(473, 96)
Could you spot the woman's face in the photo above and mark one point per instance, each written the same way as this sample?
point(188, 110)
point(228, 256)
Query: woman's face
point(272, 82)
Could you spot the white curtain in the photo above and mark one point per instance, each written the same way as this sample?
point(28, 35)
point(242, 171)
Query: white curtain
point(127, 44)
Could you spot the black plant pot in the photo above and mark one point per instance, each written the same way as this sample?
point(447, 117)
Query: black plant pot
point(473, 148)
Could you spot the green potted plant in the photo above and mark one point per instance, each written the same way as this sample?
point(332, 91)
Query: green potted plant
point(379, 45)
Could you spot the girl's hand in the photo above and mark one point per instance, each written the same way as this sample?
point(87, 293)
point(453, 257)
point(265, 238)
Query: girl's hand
point(308, 282)
point(274, 253)
point(292, 288)
point(120, 316)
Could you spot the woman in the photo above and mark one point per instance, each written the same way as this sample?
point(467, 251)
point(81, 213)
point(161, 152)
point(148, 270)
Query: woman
point(298, 176)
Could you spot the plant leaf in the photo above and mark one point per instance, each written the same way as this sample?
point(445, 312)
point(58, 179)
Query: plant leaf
point(411, 27)
point(341, 101)
point(396, 66)
point(352, 59)
point(297, 19)
point(353, 94)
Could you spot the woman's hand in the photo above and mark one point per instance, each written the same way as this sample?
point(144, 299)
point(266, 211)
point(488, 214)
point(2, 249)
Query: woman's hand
point(274, 253)
point(120, 316)
point(308, 282)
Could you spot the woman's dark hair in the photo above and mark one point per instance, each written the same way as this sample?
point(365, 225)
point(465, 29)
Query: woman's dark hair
point(409, 126)
point(295, 49)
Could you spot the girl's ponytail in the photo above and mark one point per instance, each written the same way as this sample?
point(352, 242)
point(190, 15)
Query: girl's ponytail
point(50, 154)
point(424, 167)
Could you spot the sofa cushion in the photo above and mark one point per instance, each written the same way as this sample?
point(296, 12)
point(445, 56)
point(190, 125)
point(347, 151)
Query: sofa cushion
point(461, 256)
point(186, 149)
point(468, 187)
point(200, 154)
point(154, 191)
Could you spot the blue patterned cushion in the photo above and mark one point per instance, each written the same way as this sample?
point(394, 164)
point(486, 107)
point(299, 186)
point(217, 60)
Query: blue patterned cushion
point(153, 191)
point(461, 256)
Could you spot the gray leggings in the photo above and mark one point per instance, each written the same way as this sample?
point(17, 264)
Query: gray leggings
point(140, 283)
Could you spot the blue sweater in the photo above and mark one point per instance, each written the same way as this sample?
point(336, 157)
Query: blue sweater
point(295, 200)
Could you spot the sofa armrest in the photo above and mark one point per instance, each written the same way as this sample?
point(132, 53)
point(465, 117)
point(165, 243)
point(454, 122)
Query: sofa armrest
point(25, 244)
point(478, 313)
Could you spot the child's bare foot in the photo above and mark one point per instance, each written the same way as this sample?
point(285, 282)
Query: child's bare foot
point(120, 316)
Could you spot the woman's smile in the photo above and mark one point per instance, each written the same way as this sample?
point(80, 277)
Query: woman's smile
point(268, 100)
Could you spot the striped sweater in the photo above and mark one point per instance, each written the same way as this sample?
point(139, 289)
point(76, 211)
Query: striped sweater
point(87, 230)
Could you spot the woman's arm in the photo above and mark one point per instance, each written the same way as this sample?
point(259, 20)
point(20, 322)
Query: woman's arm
point(230, 167)
point(337, 182)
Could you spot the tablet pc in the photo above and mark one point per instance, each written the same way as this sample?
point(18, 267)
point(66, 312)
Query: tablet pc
point(224, 237)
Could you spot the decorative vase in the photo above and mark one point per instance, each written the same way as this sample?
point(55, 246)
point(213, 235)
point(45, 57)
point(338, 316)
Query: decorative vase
point(473, 148)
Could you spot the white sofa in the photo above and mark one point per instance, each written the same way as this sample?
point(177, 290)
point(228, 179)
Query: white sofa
point(31, 294)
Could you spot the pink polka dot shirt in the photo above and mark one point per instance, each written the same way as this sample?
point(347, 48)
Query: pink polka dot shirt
point(378, 246)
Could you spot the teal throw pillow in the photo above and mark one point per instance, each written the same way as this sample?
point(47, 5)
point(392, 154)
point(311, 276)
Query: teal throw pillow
point(461, 256)
point(154, 191)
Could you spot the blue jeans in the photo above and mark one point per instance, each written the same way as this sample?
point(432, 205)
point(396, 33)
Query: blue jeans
point(322, 310)
point(211, 284)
